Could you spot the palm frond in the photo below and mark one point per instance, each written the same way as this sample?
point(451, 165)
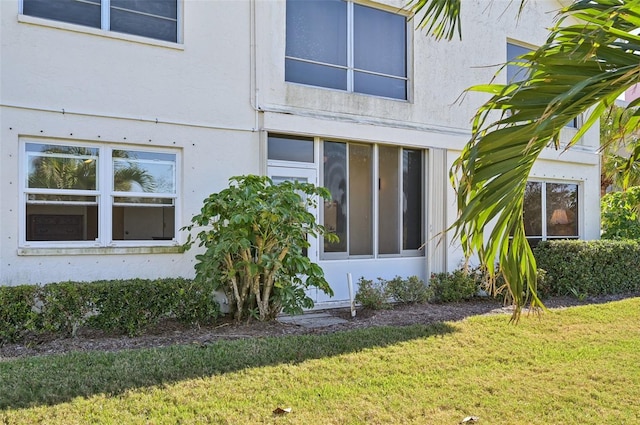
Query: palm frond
point(582, 68)
point(440, 18)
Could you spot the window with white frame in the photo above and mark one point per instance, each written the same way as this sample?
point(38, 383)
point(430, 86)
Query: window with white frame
point(550, 211)
point(97, 193)
point(156, 19)
point(373, 184)
point(346, 46)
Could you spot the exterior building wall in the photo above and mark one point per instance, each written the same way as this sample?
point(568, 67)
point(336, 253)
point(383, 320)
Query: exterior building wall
point(65, 83)
point(215, 98)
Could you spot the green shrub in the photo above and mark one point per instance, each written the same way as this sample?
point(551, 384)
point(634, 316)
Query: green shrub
point(117, 306)
point(372, 295)
point(196, 303)
point(254, 237)
point(452, 287)
point(544, 284)
point(621, 214)
point(408, 291)
point(65, 306)
point(590, 267)
point(498, 289)
point(18, 312)
point(131, 306)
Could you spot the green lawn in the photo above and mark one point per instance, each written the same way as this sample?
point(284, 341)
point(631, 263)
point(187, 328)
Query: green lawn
point(574, 366)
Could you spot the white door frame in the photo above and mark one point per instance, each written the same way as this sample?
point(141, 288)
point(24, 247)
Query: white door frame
point(304, 175)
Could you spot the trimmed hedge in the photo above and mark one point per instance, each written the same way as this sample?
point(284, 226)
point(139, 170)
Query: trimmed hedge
point(119, 306)
point(18, 313)
point(601, 267)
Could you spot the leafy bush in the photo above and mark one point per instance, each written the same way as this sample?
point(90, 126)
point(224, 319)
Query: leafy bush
point(254, 239)
point(372, 295)
point(452, 287)
point(195, 302)
point(130, 306)
point(621, 214)
point(65, 306)
point(123, 306)
point(590, 267)
point(498, 288)
point(18, 313)
point(544, 285)
point(408, 291)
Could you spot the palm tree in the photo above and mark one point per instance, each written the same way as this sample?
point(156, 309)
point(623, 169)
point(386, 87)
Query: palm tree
point(581, 69)
point(64, 172)
point(71, 171)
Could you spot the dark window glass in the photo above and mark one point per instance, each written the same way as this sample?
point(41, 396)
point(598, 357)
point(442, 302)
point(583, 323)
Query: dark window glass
point(360, 200)
point(315, 75)
point(515, 72)
point(317, 30)
point(322, 50)
point(379, 86)
point(133, 222)
point(557, 217)
point(148, 18)
point(287, 148)
point(335, 180)
point(86, 12)
point(388, 200)
point(56, 222)
point(412, 199)
point(562, 209)
point(379, 41)
point(533, 209)
point(163, 8)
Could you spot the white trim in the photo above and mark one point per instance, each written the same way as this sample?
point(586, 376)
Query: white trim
point(375, 207)
point(159, 249)
point(350, 68)
point(311, 176)
point(543, 205)
point(105, 31)
point(104, 196)
point(105, 15)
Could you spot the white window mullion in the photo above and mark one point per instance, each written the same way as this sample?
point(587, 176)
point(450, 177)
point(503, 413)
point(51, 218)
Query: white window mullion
point(179, 26)
point(400, 200)
point(105, 199)
point(350, 60)
point(375, 208)
point(543, 202)
point(348, 202)
point(105, 14)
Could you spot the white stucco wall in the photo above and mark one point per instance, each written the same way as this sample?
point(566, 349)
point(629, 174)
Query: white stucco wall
point(215, 96)
point(62, 82)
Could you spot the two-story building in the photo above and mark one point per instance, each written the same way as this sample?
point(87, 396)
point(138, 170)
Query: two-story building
point(118, 117)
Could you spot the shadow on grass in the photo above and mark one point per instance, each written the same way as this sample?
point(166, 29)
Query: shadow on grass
point(56, 379)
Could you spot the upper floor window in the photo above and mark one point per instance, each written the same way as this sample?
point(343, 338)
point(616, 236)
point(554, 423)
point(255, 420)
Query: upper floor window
point(346, 46)
point(156, 19)
point(97, 194)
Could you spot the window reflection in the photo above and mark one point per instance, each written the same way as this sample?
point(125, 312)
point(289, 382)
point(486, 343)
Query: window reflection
point(556, 217)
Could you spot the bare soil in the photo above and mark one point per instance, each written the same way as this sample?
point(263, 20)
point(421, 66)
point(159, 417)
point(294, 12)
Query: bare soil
point(171, 333)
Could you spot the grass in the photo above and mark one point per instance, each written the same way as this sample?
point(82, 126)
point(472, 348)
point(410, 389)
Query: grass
point(575, 366)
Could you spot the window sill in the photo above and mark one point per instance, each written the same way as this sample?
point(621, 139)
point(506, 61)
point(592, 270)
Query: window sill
point(26, 252)
point(98, 32)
